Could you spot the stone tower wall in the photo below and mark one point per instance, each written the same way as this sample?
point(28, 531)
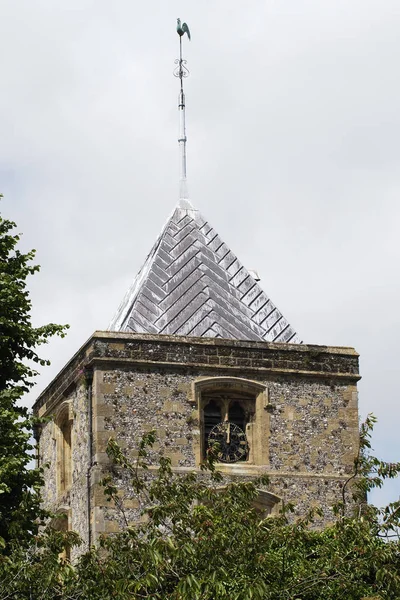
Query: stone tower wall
point(304, 429)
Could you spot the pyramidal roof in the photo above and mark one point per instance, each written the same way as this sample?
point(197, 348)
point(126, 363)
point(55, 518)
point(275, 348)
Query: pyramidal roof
point(192, 284)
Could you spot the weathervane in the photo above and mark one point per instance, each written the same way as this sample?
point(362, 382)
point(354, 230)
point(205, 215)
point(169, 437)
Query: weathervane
point(181, 71)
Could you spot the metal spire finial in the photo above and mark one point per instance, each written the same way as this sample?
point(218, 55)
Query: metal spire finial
point(181, 71)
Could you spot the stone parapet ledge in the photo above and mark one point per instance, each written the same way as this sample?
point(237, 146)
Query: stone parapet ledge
point(201, 354)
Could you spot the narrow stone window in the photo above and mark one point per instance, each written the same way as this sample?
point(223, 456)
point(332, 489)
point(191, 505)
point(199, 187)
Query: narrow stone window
point(65, 450)
point(63, 437)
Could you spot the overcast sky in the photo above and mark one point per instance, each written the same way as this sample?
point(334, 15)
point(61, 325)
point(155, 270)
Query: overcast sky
point(293, 129)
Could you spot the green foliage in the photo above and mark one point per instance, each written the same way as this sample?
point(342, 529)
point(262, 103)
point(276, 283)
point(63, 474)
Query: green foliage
point(19, 486)
point(198, 541)
point(203, 543)
point(37, 571)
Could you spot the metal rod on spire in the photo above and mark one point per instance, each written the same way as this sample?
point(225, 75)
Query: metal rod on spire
point(181, 72)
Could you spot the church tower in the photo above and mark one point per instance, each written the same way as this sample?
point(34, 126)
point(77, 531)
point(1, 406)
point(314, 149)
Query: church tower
point(198, 352)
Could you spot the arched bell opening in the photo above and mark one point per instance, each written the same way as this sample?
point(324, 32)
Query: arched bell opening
point(234, 410)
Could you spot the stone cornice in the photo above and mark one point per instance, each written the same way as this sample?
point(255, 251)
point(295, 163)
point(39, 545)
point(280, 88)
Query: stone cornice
point(121, 350)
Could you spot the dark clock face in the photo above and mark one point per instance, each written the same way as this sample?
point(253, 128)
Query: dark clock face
point(231, 439)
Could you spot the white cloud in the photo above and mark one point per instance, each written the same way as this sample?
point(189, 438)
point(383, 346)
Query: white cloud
point(293, 127)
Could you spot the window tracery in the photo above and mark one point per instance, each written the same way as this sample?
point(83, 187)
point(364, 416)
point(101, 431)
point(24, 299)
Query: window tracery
point(224, 406)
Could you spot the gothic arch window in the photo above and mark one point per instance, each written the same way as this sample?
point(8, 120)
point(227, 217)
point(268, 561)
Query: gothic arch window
point(63, 425)
point(228, 407)
point(266, 503)
point(225, 410)
point(65, 450)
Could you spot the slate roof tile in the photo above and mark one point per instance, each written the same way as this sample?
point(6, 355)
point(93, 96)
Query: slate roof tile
point(192, 284)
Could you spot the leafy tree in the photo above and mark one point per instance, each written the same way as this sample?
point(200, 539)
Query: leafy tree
point(203, 544)
point(19, 485)
point(200, 543)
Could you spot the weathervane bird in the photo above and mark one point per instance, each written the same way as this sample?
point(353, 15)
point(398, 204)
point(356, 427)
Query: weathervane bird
point(182, 29)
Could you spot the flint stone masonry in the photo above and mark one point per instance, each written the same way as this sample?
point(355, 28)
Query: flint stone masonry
point(306, 416)
point(304, 493)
